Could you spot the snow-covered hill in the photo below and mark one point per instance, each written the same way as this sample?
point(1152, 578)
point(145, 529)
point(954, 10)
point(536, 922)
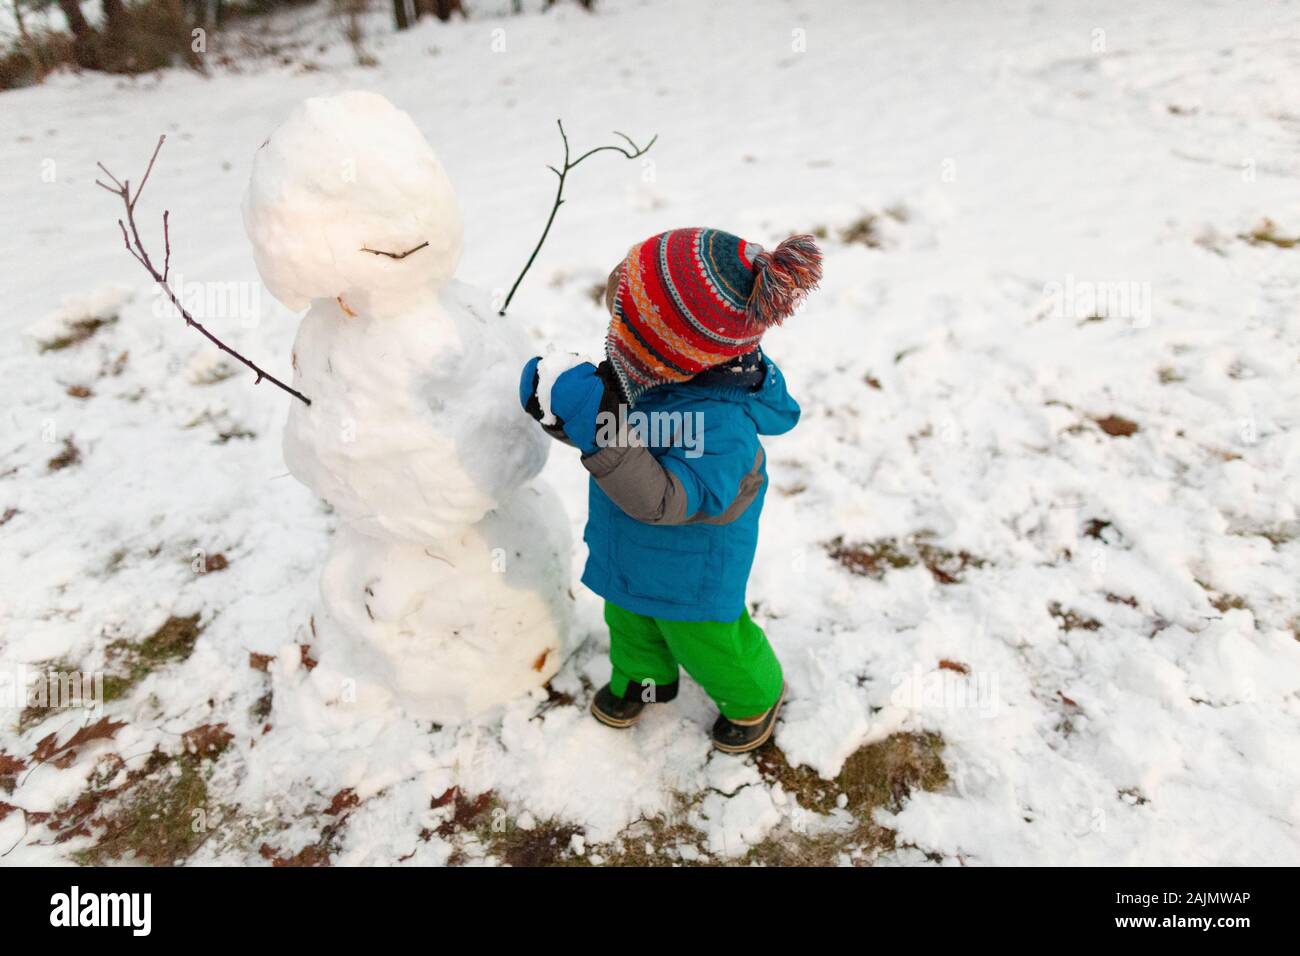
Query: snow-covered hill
point(1030, 559)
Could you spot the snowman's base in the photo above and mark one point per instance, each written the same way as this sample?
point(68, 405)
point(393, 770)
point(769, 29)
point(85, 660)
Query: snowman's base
point(449, 631)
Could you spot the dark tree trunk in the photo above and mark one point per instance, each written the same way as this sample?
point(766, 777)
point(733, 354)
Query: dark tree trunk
point(442, 9)
point(207, 12)
point(84, 39)
point(114, 15)
point(399, 14)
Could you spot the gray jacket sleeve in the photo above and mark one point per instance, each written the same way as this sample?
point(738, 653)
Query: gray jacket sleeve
point(647, 491)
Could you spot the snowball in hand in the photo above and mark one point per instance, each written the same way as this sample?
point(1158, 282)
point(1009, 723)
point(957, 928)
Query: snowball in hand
point(552, 365)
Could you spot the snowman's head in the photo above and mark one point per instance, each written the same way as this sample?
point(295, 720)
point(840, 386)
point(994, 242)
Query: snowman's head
point(348, 195)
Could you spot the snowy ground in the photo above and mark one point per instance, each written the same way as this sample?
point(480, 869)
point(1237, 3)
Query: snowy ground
point(1113, 669)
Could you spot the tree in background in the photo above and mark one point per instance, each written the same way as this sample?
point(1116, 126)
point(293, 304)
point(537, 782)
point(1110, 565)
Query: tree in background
point(406, 12)
point(131, 37)
point(85, 42)
point(34, 50)
point(351, 12)
point(136, 36)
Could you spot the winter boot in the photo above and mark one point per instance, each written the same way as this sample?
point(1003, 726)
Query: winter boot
point(625, 711)
point(742, 736)
point(614, 711)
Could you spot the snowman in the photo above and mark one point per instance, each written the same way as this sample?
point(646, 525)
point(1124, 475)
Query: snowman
point(445, 589)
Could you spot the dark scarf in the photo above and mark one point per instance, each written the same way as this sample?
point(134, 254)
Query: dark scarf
point(744, 371)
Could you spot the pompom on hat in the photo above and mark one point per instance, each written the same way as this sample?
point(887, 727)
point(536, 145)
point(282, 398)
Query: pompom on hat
point(690, 299)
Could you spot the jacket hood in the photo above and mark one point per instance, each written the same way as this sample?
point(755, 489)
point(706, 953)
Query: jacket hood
point(772, 409)
point(770, 406)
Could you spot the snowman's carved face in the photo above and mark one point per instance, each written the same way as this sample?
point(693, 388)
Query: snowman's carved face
point(347, 196)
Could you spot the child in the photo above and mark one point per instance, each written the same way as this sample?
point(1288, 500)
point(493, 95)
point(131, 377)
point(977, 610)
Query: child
point(668, 427)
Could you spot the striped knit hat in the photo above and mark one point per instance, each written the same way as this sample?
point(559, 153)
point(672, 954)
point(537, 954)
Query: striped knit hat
point(690, 299)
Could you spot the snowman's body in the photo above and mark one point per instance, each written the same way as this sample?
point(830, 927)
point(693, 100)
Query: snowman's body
point(413, 430)
point(445, 586)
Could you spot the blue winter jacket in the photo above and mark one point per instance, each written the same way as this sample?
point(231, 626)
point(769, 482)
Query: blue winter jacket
point(672, 533)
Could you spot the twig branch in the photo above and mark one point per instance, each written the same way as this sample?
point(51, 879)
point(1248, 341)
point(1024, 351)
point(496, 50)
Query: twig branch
point(631, 153)
point(395, 255)
point(135, 246)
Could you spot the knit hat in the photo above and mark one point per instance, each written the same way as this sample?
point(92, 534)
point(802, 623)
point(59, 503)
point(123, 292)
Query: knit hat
point(690, 299)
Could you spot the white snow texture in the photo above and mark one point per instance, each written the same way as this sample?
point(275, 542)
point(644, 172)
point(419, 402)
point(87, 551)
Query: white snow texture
point(1132, 685)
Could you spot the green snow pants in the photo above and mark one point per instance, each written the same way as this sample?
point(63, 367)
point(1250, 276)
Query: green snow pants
point(731, 660)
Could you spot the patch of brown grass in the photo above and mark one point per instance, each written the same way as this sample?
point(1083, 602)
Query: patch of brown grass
point(802, 783)
point(1221, 601)
point(1095, 528)
point(10, 767)
point(152, 818)
point(77, 331)
point(874, 559)
point(1266, 233)
point(871, 559)
point(1069, 620)
point(882, 775)
point(947, 567)
point(226, 428)
point(69, 456)
point(130, 662)
point(546, 844)
point(466, 811)
point(644, 843)
point(1279, 535)
point(865, 230)
point(33, 713)
point(112, 368)
point(214, 374)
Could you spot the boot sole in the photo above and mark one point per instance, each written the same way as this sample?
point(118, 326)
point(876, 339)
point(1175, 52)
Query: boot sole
point(766, 736)
point(615, 722)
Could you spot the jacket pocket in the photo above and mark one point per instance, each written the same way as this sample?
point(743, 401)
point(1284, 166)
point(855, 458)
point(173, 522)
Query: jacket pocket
point(674, 573)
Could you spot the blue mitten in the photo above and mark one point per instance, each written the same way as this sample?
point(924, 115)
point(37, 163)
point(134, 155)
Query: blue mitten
point(528, 387)
point(575, 402)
